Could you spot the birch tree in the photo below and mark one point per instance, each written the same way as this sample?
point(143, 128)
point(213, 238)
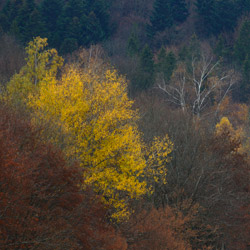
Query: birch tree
point(199, 85)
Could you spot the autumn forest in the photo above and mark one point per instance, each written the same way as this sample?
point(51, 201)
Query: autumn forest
point(125, 124)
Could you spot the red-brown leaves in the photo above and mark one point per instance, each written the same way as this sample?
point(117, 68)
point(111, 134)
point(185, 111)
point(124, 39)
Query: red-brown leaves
point(158, 230)
point(167, 228)
point(42, 205)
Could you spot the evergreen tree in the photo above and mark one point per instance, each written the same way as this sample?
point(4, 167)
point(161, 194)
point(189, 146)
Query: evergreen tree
point(27, 22)
point(166, 64)
point(50, 11)
point(242, 56)
point(5, 19)
point(72, 23)
point(223, 49)
point(227, 19)
point(133, 45)
point(68, 45)
point(66, 24)
point(4, 23)
point(216, 16)
point(245, 84)
point(162, 17)
point(146, 74)
point(100, 9)
point(246, 69)
point(84, 22)
point(23, 16)
point(220, 47)
point(190, 50)
point(183, 52)
point(179, 10)
point(94, 31)
point(242, 45)
point(9, 13)
point(166, 13)
point(146, 59)
point(206, 11)
point(244, 6)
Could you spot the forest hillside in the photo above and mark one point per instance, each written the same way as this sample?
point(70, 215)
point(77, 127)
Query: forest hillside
point(124, 124)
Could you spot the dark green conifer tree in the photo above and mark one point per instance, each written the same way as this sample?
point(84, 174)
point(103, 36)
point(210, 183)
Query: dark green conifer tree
point(165, 14)
point(133, 45)
point(68, 45)
point(223, 49)
point(5, 17)
point(101, 10)
point(166, 64)
point(161, 18)
point(94, 31)
point(207, 15)
point(244, 90)
point(84, 21)
point(9, 13)
point(246, 69)
point(72, 24)
point(146, 74)
point(216, 16)
point(242, 57)
point(244, 6)
point(228, 12)
point(242, 45)
point(27, 22)
point(50, 10)
point(179, 10)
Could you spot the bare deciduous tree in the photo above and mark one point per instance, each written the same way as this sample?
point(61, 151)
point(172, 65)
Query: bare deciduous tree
point(198, 85)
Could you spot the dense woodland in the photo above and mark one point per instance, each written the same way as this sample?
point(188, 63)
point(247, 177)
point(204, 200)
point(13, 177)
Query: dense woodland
point(124, 124)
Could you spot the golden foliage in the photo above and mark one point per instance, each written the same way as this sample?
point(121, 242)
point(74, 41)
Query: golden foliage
point(158, 157)
point(40, 63)
point(90, 107)
point(97, 113)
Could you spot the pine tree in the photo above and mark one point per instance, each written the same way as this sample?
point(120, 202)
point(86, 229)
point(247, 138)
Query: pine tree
point(166, 64)
point(5, 19)
point(94, 31)
point(217, 16)
point(227, 19)
point(27, 23)
point(223, 48)
point(50, 11)
point(246, 69)
point(179, 10)
point(146, 74)
point(72, 24)
point(162, 17)
point(133, 45)
point(245, 84)
point(244, 6)
point(146, 59)
point(206, 11)
point(9, 13)
point(242, 45)
point(167, 13)
point(100, 9)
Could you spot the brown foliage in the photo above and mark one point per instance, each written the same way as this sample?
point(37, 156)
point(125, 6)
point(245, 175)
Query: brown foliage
point(207, 168)
point(42, 205)
point(231, 210)
point(165, 228)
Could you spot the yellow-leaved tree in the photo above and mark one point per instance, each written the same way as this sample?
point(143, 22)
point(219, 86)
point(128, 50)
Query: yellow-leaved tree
point(91, 107)
point(40, 63)
point(96, 112)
